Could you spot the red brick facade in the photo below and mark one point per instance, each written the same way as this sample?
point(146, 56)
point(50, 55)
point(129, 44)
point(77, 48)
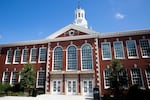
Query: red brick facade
point(78, 39)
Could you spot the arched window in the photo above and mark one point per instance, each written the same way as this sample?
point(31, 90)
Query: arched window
point(57, 60)
point(87, 62)
point(71, 58)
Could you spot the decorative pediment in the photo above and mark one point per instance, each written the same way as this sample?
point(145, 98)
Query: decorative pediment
point(71, 30)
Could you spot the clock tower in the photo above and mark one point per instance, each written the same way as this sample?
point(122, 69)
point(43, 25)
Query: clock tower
point(80, 17)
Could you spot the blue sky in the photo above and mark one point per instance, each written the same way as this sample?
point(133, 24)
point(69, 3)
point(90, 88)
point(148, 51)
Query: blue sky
point(23, 20)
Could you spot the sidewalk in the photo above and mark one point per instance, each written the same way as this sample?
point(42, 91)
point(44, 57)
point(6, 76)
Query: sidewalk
point(47, 97)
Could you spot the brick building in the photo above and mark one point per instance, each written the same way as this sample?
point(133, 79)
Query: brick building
point(75, 59)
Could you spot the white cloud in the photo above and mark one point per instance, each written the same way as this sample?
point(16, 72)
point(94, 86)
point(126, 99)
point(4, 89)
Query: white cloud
point(119, 16)
point(40, 33)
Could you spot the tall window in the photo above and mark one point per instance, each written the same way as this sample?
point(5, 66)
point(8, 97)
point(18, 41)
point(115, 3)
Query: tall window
point(58, 59)
point(148, 77)
point(123, 78)
point(118, 50)
point(9, 56)
point(25, 55)
point(42, 54)
point(87, 62)
point(72, 58)
point(145, 48)
point(14, 78)
point(136, 77)
point(131, 49)
point(17, 56)
point(6, 76)
point(33, 55)
point(107, 72)
point(106, 51)
point(41, 78)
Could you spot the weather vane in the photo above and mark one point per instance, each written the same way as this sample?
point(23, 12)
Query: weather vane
point(78, 3)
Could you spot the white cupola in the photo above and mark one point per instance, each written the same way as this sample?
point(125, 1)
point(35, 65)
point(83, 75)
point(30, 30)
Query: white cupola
point(80, 17)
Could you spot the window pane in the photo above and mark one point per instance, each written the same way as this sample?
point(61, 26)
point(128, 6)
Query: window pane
point(86, 57)
point(57, 60)
point(131, 48)
point(9, 56)
point(72, 58)
point(25, 55)
point(17, 56)
point(43, 51)
point(41, 78)
point(148, 77)
point(136, 77)
point(107, 72)
point(118, 50)
point(106, 50)
point(6, 77)
point(33, 55)
point(145, 48)
point(14, 78)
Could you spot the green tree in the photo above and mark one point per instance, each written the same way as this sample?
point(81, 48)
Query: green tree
point(117, 80)
point(28, 77)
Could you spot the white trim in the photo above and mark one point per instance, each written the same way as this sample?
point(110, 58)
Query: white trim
point(82, 87)
point(91, 34)
point(11, 77)
point(110, 51)
point(53, 58)
point(37, 86)
point(31, 50)
point(6, 60)
point(71, 26)
point(140, 75)
point(148, 83)
point(122, 50)
point(67, 57)
point(141, 48)
point(14, 58)
point(91, 55)
point(47, 83)
point(40, 55)
point(105, 87)
point(61, 85)
point(23, 54)
point(132, 57)
point(66, 86)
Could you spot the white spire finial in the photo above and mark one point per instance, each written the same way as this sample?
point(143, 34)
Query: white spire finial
point(80, 19)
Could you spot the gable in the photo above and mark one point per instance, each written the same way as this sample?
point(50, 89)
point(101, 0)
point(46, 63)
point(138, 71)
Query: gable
point(71, 30)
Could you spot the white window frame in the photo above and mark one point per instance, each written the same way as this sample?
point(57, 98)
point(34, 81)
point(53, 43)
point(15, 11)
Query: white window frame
point(132, 57)
point(22, 62)
point(120, 47)
point(91, 56)
point(106, 87)
point(141, 48)
point(3, 79)
point(14, 62)
point(37, 85)
point(40, 54)
point(6, 61)
point(54, 60)
point(11, 78)
point(67, 59)
point(142, 87)
point(147, 79)
point(102, 51)
point(33, 55)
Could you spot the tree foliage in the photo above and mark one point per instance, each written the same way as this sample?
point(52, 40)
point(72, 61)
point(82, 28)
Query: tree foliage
point(28, 76)
point(117, 80)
